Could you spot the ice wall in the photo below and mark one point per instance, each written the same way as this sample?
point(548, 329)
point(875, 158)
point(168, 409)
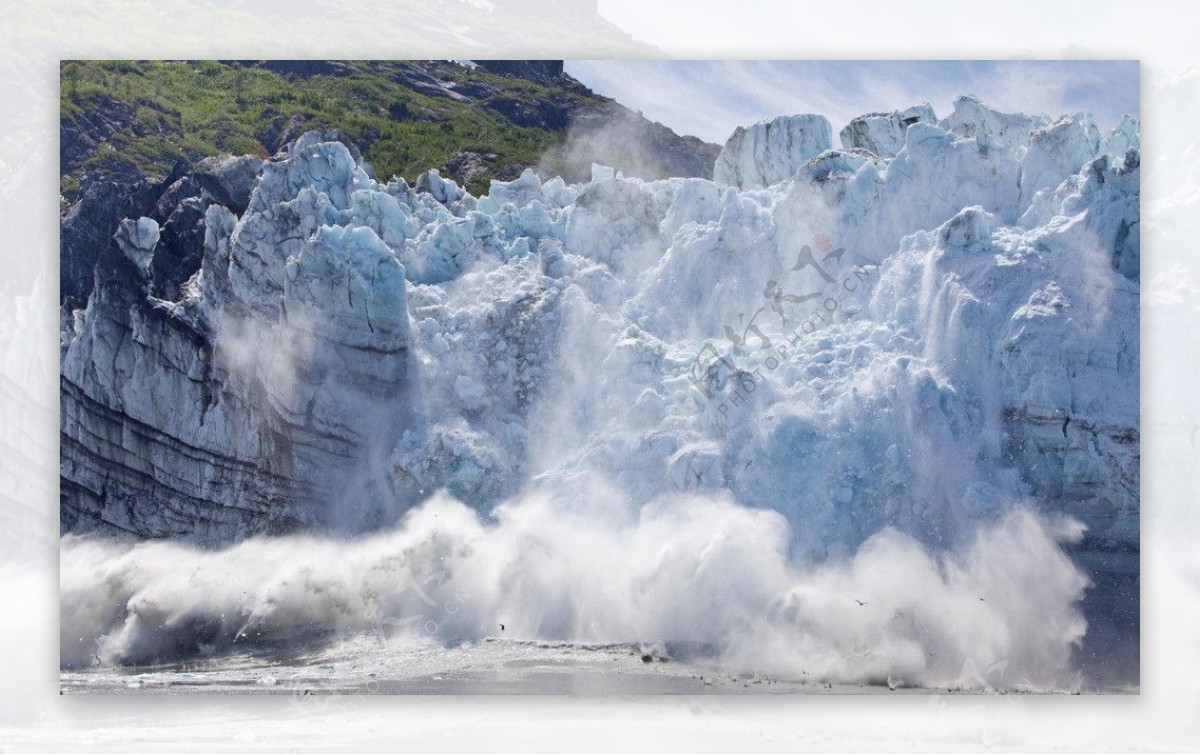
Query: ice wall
point(967, 323)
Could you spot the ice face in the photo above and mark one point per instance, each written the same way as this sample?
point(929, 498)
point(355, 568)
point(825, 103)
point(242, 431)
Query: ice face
point(771, 151)
point(883, 133)
point(974, 119)
point(1056, 151)
point(1126, 136)
point(977, 290)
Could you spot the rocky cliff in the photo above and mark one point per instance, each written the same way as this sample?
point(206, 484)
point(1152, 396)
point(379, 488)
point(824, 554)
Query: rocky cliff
point(472, 120)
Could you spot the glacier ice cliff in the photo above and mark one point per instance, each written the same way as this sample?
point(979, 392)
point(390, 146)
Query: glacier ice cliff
point(917, 331)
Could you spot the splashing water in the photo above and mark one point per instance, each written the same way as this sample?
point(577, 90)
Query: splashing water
point(701, 574)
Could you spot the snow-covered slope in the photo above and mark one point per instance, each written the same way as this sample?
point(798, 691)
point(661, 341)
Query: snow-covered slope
point(872, 342)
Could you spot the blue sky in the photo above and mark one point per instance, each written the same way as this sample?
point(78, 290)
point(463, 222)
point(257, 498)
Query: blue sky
point(710, 98)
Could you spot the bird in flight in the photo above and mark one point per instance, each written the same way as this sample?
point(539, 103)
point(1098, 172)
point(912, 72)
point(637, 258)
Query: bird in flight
point(501, 627)
point(860, 602)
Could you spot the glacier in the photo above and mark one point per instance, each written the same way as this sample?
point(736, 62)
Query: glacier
point(918, 344)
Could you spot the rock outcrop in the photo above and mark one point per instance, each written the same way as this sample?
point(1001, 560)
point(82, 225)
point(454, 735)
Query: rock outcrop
point(494, 118)
point(542, 71)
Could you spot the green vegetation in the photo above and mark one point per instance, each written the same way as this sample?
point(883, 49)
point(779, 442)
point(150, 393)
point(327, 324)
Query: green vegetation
point(173, 110)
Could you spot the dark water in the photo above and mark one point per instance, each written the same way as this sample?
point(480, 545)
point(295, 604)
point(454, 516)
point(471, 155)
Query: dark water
point(1111, 651)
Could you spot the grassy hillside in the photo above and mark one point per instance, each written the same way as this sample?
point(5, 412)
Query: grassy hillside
point(119, 117)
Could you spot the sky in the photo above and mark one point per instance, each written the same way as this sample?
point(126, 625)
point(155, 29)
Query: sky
point(709, 99)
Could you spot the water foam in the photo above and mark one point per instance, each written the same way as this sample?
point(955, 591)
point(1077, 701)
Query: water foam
point(704, 575)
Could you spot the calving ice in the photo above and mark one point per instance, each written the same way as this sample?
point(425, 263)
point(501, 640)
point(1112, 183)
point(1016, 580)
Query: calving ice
point(826, 415)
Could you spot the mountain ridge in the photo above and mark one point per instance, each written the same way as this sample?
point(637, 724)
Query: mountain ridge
point(474, 121)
